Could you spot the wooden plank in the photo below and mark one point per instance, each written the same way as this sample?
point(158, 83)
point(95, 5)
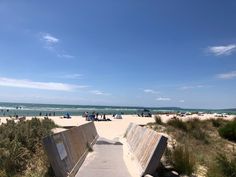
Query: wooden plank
point(147, 146)
point(74, 142)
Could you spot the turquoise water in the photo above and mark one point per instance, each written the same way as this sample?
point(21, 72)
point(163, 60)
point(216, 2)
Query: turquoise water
point(26, 109)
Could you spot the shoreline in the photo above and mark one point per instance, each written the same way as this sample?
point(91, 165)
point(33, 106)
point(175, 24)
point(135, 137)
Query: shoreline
point(33, 109)
point(79, 120)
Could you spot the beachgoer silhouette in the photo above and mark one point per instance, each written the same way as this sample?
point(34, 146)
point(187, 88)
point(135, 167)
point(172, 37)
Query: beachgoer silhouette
point(96, 117)
point(104, 116)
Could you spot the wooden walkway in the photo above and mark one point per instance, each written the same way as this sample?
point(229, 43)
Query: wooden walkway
point(105, 160)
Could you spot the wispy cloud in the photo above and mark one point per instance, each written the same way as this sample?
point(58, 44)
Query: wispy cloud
point(48, 38)
point(222, 50)
point(71, 76)
point(98, 92)
point(229, 75)
point(163, 99)
point(65, 56)
point(151, 91)
point(192, 87)
point(51, 43)
point(181, 101)
point(23, 83)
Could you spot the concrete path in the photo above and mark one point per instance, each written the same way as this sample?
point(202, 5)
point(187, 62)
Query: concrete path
point(105, 160)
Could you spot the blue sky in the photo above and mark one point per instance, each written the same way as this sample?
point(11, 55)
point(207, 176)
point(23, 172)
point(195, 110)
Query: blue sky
point(127, 52)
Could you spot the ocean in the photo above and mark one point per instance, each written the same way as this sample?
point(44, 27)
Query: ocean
point(28, 109)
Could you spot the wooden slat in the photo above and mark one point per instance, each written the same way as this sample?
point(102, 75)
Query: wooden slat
point(147, 146)
point(76, 142)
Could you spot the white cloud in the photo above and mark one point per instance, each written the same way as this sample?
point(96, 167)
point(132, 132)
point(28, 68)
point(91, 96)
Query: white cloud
point(181, 101)
point(192, 87)
point(229, 75)
point(150, 91)
point(71, 76)
point(65, 56)
point(48, 38)
point(22, 83)
point(222, 50)
point(163, 99)
point(97, 92)
point(50, 42)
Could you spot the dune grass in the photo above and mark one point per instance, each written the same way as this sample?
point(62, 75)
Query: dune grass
point(199, 144)
point(158, 120)
point(181, 159)
point(21, 149)
point(228, 131)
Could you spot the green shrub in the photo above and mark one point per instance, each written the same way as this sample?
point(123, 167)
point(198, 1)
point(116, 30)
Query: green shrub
point(193, 124)
point(215, 122)
point(178, 123)
point(227, 167)
point(17, 159)
point(200, 135)
point(182, 161)
point(229, 131)
point(195, 129)
point(218, 122)
point(19, 143)
point(158, 120)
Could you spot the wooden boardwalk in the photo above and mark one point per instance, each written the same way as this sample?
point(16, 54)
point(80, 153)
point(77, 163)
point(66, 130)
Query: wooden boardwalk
point(105, 160)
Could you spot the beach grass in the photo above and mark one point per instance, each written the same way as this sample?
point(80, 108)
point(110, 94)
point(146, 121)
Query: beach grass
point(197, 143)
point(21, 148)
point(228, 131)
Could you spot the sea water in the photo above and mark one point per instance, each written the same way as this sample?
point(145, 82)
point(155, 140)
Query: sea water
point(28, 109)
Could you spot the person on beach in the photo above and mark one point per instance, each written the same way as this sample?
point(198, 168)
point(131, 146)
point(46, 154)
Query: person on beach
point(85, 115)
point(96, 117)
point(104, 117)
point(67, 116)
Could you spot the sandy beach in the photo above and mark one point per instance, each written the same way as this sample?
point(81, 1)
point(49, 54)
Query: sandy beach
point(107, 129)
point(116, 128)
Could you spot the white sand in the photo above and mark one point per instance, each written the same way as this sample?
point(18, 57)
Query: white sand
point(107, 129)
point(116, 127)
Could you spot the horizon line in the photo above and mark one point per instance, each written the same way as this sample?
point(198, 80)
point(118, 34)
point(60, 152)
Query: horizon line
point(150, 107)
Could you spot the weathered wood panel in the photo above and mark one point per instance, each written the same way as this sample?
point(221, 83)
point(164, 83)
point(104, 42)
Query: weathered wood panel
point(67, 150)
point(147, 146)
